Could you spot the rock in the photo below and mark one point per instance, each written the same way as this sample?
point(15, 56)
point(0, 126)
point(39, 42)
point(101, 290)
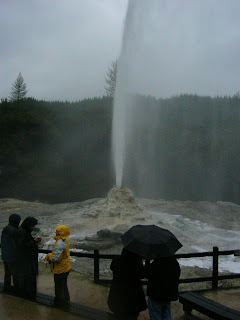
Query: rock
point(106, 233)
point(103, 239)
point(121, 228)
point(90, 214)
point(95, 245)
point(140, 219)
point(91, 238)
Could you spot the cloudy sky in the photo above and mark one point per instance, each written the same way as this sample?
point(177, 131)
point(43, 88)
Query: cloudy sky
point(181, 46)
point(63, 47)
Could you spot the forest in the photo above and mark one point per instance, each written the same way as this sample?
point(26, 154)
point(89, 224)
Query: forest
point(61, 151)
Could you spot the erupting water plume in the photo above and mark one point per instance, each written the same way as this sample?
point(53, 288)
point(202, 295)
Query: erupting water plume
point(168, 48)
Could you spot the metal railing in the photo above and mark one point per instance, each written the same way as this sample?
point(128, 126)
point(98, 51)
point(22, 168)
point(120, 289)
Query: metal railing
point(214, 278)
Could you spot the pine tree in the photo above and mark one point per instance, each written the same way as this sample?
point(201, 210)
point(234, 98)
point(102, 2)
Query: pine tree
point(19, 89)
point(111, 79)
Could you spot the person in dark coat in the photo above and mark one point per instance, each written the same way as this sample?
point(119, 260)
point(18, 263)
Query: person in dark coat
point(27, 259)
point(126, 297)
point(163, 280)
point(9, 256)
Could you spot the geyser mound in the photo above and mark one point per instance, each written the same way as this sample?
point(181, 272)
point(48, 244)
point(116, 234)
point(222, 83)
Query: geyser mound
point(121, 201)
point(113, 216)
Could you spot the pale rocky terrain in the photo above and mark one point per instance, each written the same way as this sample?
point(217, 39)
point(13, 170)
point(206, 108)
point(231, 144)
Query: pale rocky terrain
point(99, 223)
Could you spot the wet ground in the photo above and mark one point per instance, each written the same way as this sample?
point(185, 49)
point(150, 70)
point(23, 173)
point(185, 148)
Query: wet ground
point(12, 308)
point(230, 298)
point(85, 292)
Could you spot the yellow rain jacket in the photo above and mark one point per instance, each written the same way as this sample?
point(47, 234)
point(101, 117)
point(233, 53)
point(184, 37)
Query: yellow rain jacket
point(60, 256)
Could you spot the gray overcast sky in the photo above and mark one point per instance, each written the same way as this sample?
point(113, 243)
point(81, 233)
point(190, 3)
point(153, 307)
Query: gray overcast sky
point(182, 46)
point(63, 47)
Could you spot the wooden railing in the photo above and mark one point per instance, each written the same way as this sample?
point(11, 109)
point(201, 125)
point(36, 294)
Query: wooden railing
point(214, 278)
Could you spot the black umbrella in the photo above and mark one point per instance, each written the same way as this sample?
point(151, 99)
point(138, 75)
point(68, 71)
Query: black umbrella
point(150, 241)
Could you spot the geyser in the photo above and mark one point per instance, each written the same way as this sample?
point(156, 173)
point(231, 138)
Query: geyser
point(168, 48)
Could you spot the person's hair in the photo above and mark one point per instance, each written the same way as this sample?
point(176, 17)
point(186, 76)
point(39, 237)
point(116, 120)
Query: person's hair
point(14, 219)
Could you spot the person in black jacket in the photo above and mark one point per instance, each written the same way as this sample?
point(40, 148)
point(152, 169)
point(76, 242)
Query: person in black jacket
point(27, 258)
point(126, 297)
point(9, 257)
point(162, 288)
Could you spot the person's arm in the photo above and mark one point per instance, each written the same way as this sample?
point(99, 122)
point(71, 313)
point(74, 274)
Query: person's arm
point(55, 256)
point(25, 242)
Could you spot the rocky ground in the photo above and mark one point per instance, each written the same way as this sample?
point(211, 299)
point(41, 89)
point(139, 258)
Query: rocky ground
point(99, 223)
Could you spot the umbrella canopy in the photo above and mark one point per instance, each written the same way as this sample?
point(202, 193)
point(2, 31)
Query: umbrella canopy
point(150, 241)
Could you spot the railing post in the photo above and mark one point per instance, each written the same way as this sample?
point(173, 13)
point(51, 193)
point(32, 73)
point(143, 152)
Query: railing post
point(96, 266)
point(215, 268)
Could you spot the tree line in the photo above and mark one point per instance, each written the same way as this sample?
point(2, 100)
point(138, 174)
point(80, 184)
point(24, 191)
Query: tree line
point(61, 151)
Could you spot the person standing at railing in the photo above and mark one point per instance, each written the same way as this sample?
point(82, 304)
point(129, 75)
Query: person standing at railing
point(9, 256)
point(27, 262)
point(126, 297)
point(60, 265)
point(163, 280)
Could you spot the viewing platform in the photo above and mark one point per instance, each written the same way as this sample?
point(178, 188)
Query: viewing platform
point(14, 308)
point(89, 293)
point(88, 300)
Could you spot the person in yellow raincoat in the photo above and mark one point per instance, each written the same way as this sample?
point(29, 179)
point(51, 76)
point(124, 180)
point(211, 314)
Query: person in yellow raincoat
point(60, 265)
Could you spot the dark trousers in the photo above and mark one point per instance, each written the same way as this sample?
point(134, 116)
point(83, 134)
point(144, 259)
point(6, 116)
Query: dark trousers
point(62, 296)
point(27, 286)
point(10, 273)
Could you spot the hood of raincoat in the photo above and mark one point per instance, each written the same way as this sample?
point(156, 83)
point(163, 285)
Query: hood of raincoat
point(29, 222)
point(64, 232)
point(14, 220)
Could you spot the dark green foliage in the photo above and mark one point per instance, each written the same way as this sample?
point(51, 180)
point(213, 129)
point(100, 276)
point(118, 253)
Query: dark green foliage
point(55, 151)
point(19, 89)
point(61, 151)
